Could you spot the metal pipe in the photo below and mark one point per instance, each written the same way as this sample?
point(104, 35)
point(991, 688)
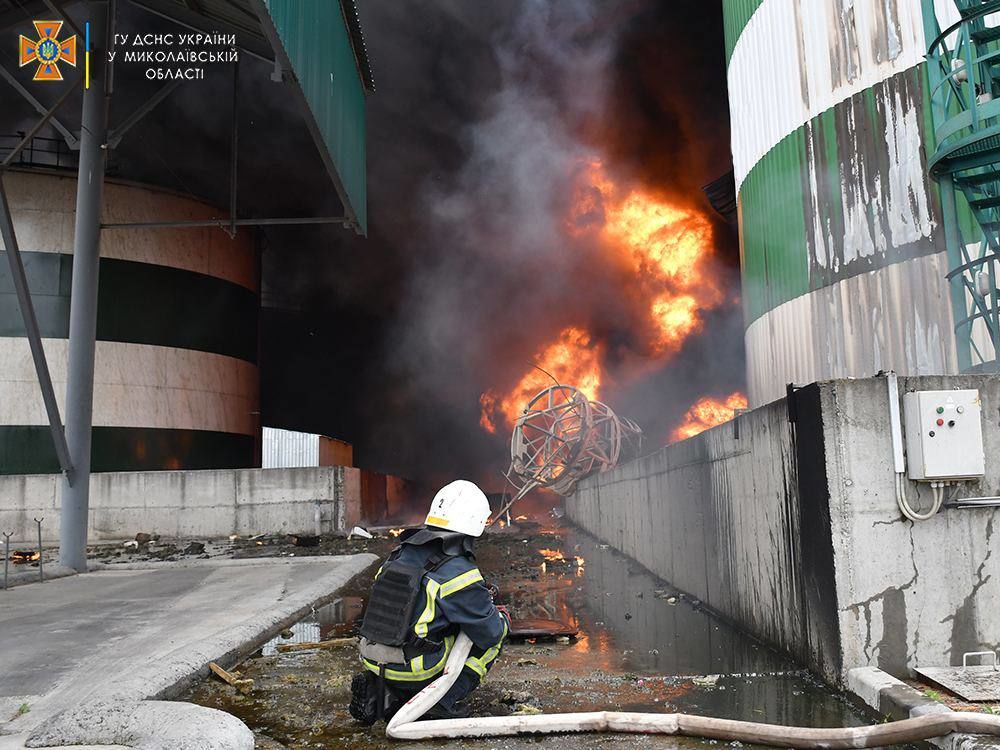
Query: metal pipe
point(6, 556)
point(895, 423)
point(83, 302)
point(20, 281)
point(973, 502)
point(234, 150)
point(41, 565)
point(953, 242)
point(223, 223)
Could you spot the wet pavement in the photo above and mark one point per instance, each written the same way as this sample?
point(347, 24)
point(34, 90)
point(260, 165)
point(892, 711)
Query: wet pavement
point(641, 646)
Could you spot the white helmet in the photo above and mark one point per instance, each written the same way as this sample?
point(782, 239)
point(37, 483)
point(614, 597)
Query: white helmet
point(460, 506)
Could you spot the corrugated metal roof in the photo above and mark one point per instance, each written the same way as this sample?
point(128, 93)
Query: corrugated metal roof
point(350, 10)
point(315, 43)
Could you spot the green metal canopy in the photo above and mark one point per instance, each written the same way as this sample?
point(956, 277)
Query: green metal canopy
point(320, 42)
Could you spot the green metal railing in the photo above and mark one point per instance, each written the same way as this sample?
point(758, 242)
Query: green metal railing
point(963, 73)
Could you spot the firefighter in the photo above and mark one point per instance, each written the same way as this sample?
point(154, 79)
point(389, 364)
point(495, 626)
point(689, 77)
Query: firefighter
point(427, 591)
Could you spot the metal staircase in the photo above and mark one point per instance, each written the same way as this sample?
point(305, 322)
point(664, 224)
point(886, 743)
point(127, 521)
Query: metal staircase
point(963, 73)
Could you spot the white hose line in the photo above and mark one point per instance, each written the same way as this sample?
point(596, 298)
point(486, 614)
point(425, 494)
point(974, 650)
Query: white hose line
point(404, 725)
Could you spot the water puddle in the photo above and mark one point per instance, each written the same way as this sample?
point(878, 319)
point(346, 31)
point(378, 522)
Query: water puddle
point(641, 646)
point(339, 619)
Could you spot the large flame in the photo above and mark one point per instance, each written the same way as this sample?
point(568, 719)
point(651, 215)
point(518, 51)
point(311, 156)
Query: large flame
point(667, 248)
point(573, 358)
point(708, 412)
point(664, 249)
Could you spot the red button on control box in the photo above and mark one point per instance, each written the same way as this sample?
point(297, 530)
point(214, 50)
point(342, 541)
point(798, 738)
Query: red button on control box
point(940, 422)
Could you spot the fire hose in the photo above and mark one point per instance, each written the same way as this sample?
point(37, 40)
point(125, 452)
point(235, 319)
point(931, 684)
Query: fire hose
point(404, 725)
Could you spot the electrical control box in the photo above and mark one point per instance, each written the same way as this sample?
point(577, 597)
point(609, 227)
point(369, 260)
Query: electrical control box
point(944, 435)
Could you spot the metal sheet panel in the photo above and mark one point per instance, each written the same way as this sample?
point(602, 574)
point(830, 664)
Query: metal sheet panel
point(736, 14)
point(843, 195)
point(897, 318)
point(285, 449)
point(773, 229)
point(317, 43)
point(798, 58)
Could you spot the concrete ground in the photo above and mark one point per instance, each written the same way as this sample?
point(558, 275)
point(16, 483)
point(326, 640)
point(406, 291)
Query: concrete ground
point(82, 655)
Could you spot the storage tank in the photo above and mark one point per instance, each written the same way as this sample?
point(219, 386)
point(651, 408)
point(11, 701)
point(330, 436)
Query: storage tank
point(176, 382)
point(842, 243)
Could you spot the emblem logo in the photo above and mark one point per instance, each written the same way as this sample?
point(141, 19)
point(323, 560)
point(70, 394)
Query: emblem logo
point(48, 51)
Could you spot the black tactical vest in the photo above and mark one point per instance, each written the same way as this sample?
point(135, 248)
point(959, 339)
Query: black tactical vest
point(388, 618)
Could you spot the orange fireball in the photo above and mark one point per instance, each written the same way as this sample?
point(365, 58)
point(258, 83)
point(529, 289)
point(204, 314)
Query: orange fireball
point(666, 250)
point(573, 359)
point(708, 412)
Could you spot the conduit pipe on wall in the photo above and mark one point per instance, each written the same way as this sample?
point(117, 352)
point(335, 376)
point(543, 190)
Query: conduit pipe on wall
point(899, 460)
point(404, 724)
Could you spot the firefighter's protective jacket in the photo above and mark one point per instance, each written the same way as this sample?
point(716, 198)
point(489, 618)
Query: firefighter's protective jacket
point(454, 598)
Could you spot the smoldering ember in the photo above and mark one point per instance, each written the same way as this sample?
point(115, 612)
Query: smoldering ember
point(594, 373)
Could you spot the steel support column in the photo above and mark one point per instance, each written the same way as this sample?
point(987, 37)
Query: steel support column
point(83, 302)
point(234, 156)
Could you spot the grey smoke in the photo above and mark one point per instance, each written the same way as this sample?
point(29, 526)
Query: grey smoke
point(482, 111)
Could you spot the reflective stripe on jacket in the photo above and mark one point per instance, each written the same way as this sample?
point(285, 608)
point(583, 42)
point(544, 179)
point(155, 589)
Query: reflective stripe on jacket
point(454, 598)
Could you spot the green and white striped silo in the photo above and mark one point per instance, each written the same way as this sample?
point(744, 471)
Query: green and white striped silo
point(842, 233)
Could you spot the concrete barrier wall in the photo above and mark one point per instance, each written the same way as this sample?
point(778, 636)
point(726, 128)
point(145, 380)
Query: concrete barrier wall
point(195, 503)
point(718, 517)
point(791, 530)
point(910, 594)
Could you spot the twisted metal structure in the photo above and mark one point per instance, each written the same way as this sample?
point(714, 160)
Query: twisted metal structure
point(562, 437)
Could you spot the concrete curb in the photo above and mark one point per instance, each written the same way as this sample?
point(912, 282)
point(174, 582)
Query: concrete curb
point(189, 664)
point(897, 700)
point(25, 577)
point(217, 562)
point(135, 711)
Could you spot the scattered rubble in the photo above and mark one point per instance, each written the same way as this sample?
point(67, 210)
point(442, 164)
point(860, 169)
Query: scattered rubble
point(517, 698)
point(242, 685)
point(311, 645)
point(525, 709)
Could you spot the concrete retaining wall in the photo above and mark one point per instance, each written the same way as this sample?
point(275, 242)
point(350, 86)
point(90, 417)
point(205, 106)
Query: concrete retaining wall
point(201, 503)
point(791, 530)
